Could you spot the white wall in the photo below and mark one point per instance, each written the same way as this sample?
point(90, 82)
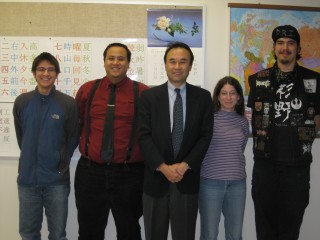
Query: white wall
point(216, 66)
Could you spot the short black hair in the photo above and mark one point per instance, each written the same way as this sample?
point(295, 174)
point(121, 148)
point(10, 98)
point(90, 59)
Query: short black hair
point(178, 45)
point(45, 56)
point(117, 45)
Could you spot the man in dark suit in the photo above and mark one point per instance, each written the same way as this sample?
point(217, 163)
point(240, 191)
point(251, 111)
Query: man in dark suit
point(172, 170)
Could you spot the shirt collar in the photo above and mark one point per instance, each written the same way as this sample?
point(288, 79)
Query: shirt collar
point(171, 88)
point(118, 85)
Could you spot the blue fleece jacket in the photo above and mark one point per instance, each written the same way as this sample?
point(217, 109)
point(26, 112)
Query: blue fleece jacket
point(47, 129)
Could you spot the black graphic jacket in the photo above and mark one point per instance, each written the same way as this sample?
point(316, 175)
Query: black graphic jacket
point(283, 125)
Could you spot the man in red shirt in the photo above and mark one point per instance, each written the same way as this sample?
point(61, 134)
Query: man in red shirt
point(109, 181)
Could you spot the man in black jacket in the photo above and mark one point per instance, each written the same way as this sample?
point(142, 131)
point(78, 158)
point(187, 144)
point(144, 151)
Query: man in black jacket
point(172, 171)
point(285, 102)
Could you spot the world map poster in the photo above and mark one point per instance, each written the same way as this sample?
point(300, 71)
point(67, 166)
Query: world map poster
point(251, 45)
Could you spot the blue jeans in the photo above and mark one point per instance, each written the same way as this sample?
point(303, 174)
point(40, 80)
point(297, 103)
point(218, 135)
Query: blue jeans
point(32, 201)
point(226, 196)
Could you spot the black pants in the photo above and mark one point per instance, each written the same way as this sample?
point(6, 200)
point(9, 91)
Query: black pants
point(101, 188)
point(280, 195)
point(175, 208)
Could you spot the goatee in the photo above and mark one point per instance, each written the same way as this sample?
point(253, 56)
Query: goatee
point(285, 61)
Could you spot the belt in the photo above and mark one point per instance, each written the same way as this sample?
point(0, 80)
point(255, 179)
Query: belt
point(110, 165)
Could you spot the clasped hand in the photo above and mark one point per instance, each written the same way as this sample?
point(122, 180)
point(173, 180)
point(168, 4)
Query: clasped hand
point(175, 172)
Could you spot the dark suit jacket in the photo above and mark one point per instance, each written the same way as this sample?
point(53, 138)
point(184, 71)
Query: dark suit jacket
point(156, 141)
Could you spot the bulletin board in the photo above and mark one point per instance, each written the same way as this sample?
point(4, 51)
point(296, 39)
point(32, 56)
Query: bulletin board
point(69, 24)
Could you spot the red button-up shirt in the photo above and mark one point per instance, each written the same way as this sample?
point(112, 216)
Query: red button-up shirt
point(123, 119)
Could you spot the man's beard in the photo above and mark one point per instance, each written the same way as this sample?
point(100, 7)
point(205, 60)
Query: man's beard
point(285, 61)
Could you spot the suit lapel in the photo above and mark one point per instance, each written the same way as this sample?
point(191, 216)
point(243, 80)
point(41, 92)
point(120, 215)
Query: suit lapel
point(191, 109)
point(163, 103)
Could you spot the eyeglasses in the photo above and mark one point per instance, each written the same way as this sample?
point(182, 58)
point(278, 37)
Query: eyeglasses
point(43, 69)
point(231, 94)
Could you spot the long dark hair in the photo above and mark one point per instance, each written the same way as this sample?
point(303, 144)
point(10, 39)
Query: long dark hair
point(233, 82)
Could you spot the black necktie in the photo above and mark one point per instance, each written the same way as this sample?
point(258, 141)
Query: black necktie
point(106, 151)
point(177, 128)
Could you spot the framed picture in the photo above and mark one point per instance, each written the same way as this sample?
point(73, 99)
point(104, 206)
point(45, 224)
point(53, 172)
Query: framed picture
point(172, 25)
point(166, 26)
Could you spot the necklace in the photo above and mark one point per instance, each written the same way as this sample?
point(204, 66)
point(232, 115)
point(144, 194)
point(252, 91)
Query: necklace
point(285, 77)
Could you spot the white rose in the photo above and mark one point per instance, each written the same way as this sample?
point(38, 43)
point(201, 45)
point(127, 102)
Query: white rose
point(163, 22)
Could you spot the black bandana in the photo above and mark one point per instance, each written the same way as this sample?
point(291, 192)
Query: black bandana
point(286, 31)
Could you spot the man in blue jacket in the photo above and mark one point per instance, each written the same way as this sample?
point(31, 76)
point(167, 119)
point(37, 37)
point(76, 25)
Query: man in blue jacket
point(46, 124)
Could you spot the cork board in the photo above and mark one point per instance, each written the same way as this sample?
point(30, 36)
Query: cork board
point(77, 19)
